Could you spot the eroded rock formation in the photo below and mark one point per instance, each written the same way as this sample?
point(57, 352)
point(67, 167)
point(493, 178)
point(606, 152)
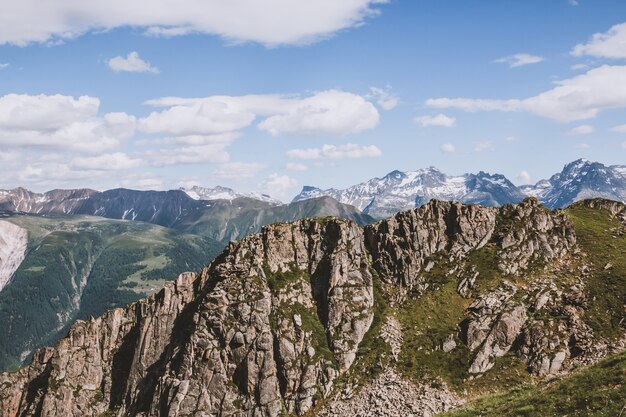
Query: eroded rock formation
point(272, 325)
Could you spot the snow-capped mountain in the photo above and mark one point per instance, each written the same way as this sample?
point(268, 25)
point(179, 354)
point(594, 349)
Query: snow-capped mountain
point(224, 193)
point(397, 191)
point(579, 180)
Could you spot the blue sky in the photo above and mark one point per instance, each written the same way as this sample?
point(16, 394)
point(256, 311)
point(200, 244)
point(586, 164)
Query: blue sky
point(276, 94)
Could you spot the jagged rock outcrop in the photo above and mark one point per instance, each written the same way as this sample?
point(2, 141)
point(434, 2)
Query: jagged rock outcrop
point(282, 318)
point(274, 319)
point(402, 245)
point(531, 233)
point(495, 323)
point(104, 358)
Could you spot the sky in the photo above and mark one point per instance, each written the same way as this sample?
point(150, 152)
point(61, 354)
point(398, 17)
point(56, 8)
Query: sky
point(272, 95)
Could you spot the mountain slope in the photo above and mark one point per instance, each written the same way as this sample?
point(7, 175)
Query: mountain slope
point(225, 220)
point(579, 180)
point(221, 219)
point(397, 191)
point(597, 391)
point(429, 308)
point(76, 267)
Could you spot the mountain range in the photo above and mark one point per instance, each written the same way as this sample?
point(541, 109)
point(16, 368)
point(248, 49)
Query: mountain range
point(227, 216)
point(432, 310)
point(195, 209)
point(397, 191)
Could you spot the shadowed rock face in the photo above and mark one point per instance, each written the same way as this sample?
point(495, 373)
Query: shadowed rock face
point(221, 340)
point(402, 245)
point(272, 323)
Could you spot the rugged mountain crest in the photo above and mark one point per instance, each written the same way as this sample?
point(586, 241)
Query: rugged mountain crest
point(219, 213)
point(401, 246)
point(318, 314)
point(581, 179)
point(397, 191)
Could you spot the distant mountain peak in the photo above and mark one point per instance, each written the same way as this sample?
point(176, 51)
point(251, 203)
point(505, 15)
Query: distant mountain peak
point(398, 190)
point(579, 180)
point(395, 174)
point(224, 193)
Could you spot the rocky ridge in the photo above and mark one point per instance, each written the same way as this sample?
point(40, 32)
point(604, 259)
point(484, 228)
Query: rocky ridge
point(398, 191)
point(218, 213)
point(284, 321)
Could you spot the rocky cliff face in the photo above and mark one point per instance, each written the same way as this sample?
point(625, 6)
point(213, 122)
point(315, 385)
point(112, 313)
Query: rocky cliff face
point(319, 316)
point(13, 243)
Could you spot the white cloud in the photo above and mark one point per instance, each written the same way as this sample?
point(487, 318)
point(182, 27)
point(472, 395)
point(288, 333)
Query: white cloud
point(573, 2)
point(578, 98)
point(61, 122)
point(524, 177)
point(519, 60)
point(347, 151)
point(384, 97)
point(582, 146)
point(202, 154)
point(3, 66)
point(578, 67)
point(278, 186)
point(43, 172)
point(448, 148)
point(294, 166)
point(580, 130)
point(106, 162)
point(624, 145)
point(483, 145)
point(69, 139)
point(188, 182)
point(510, 139)
point(226, 138)
point(235, 171)
point(205, 117)
point(270, 22)
point(143, 181)
point(611, 44)
point(326, 113)
point(132, 63)
point(44, 112)
point(619, 129)
point(438, 120)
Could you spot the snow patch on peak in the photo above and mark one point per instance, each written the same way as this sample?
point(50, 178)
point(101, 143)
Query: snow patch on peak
point(225, 193)
point(396, 191)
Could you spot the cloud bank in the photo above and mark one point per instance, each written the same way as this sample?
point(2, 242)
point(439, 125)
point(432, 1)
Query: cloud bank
point(578, 98)
point(269, 22)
